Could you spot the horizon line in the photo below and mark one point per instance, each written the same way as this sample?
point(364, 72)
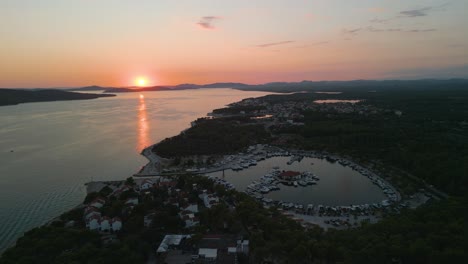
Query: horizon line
point(227, 82)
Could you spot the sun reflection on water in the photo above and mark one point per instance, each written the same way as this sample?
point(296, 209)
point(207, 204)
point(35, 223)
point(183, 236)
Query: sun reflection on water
point(143, 126)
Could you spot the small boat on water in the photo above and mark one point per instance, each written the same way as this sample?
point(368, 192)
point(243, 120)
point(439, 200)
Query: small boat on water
point(310, 182)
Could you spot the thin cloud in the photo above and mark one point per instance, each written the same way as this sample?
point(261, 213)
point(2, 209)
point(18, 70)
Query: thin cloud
point(265, 45)
point(379, 21)
point(412, 13)
point(351, 32)
point(421, 30)
point(373, 29)
point(207, 22)
point(416, 12)
point(424, 11)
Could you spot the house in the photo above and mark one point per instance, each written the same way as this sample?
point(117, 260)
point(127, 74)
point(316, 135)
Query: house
point(70, 223)
point(90, 212)
point(243, 246)
point(209, 199)
point(187, 214)
point(232, 250)
point(116, 224)
point(98, 203)
point(290, 175)
point(148, 219)
point(131, 201)
point(193, 208)
point(171, 242)
point(105, 223)
point(217, 248)
point(208, 254)
point(94, 223)
point(189, 218)
point(146, 184)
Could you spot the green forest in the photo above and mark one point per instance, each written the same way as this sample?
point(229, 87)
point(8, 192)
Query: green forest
point(213, 136)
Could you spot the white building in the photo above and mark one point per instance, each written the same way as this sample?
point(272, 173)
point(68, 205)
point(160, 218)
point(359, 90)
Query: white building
point(209, 254)
point(243, 246)
point(132, 201)
point(209, 199)
point(105, 223)
point(146, 184)
point(189, 218)
point(193, 208)
point(98, 203)
point(148, 219)
point(116, 224)
point(94, 223)
point(171, 241)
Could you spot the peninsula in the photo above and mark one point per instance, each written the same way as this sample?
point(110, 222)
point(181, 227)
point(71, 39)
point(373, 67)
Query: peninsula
point(13, 97)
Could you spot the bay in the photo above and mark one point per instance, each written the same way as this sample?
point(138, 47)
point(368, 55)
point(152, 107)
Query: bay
point(49, 150)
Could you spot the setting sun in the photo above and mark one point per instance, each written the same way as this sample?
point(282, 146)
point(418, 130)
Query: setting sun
point(140, 81)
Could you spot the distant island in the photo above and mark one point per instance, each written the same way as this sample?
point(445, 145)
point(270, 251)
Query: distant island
point(13, 97)
point(286, 87)
point(133, 89)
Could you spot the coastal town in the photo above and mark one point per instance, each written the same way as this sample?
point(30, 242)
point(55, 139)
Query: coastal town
point(110, 206)
point(188, 202)
point(160, 187)
point(200, 218)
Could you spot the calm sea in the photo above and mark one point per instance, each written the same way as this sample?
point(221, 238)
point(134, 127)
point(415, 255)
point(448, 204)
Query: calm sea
point(49, 150)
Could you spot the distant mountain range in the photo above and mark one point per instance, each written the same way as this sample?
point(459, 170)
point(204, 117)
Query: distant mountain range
point(17, 96)
point(158, 88)
point(13, 96)
point(293, 86)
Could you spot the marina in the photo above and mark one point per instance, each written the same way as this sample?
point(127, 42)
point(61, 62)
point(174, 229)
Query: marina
point(310, 186)
point(321, 178)
point(316, 186)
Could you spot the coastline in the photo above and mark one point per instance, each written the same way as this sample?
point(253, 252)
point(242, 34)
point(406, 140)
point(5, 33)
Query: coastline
point(153, 167)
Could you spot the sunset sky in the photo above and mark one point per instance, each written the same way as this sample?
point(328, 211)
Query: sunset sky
point(69, 43)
